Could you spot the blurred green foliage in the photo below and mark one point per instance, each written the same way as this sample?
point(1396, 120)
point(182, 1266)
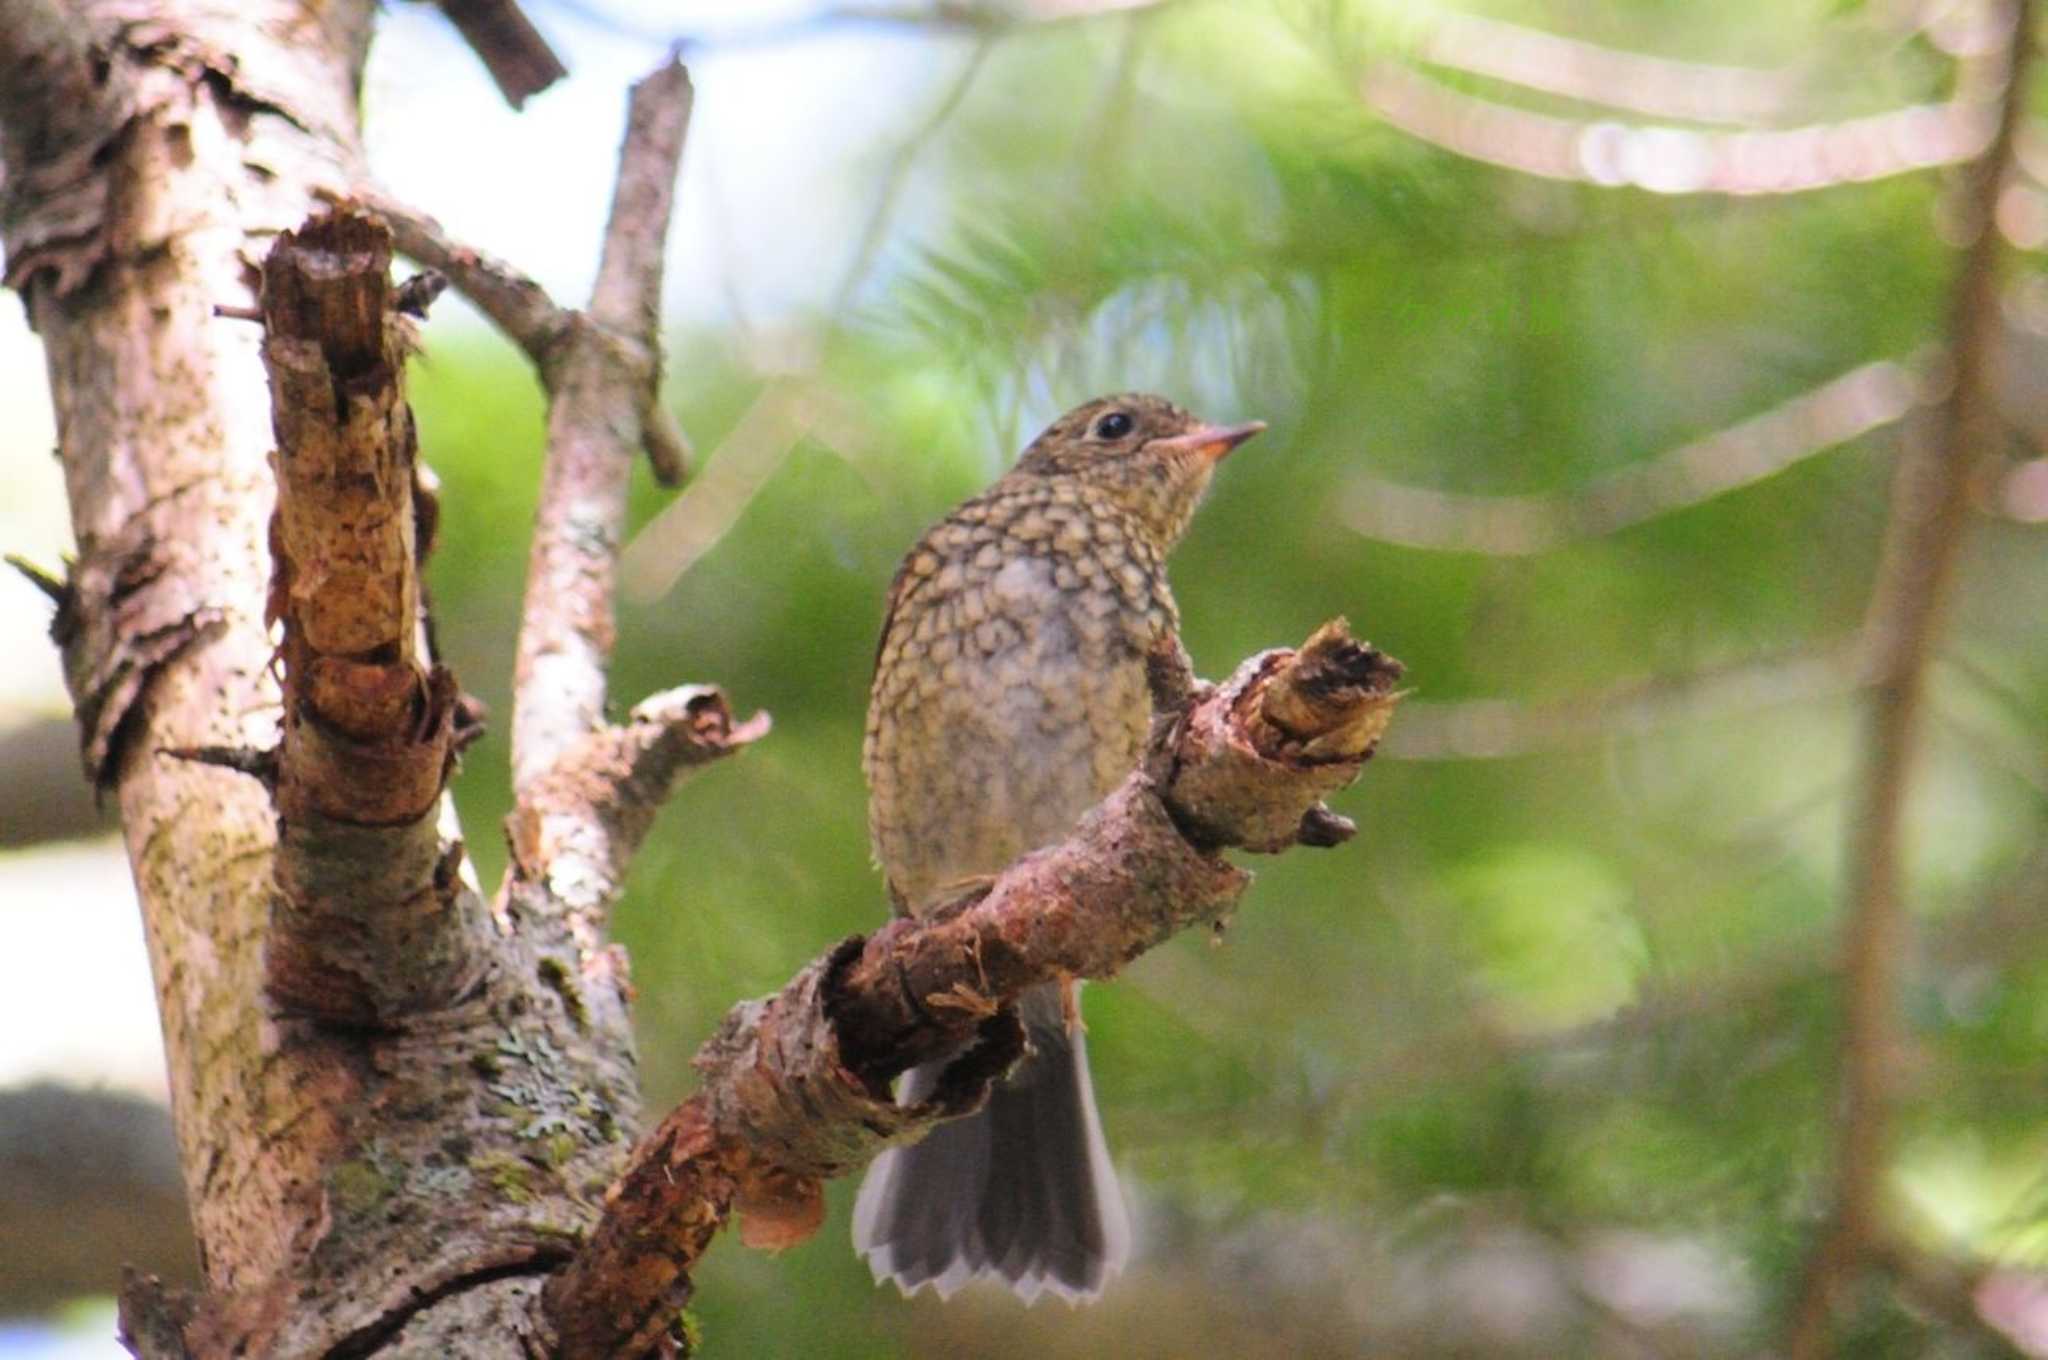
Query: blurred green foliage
point(1544, 1061)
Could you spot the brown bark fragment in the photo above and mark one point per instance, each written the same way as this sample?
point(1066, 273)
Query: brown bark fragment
point(372, 921)
point(128, 608)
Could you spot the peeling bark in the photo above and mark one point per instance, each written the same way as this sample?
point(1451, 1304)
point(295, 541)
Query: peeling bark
point(401, 1178)
point(375, 917)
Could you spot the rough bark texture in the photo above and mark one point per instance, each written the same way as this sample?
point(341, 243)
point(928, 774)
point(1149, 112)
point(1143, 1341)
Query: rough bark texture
point(131, 212)
point(397, 1179)
point(796, 1086)
point(374, 918)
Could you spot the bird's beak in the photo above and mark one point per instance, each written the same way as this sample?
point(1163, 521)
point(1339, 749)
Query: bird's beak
point(1209, 441)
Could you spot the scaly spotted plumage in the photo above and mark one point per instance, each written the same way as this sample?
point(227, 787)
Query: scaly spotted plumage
point(1028, 634)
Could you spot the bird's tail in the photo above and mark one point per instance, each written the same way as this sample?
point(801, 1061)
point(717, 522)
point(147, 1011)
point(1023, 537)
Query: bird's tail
point(1021, 1191)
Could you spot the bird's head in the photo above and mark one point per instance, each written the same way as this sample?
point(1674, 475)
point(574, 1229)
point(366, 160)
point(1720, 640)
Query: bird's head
point(1140, 453)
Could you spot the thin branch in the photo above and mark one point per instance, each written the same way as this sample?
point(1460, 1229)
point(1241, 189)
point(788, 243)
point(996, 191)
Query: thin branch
point(592, 808)
point(1495, 729)
point(50, 584)
point(519, 59)
point(796, 1086)
point(1676, 160)
point(601, 385)
point(1930, 504)
point(522, 309)
point(1869, 397)
point(515, 304)
point(1657, 87)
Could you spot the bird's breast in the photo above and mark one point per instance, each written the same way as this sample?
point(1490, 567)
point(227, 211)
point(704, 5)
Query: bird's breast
point(1009, 697)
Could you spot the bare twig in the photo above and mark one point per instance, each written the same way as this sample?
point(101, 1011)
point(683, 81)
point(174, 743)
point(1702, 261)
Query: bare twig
point(1869, 397)
point(796, 1087)
point(522, 309)
point(511, 48)
point(515, 304)
point(602, 385)
point(1930, 503)
point(51, 585)
point(593, 807)
point(1675, 160)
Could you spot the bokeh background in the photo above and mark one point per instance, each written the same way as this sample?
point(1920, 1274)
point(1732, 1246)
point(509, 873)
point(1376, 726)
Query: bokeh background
point(1589, 333)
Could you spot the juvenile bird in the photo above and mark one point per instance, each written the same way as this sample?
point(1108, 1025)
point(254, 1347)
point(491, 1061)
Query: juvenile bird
point(1028, 637)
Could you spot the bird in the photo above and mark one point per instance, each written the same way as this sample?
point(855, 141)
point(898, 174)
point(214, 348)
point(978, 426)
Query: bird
point(1030, 637)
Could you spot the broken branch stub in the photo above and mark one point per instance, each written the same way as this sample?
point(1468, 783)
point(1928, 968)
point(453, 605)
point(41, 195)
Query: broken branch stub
point(1306, 719)
point(372, 918)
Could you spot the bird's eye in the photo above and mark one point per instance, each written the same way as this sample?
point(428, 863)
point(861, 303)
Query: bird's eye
point(1115, 425)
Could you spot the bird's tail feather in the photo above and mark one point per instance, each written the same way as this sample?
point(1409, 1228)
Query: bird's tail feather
point(1021, 1191)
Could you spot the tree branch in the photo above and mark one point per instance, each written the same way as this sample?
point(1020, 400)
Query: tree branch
point(601, 388)
point(1930, 504)
point(522, 309)
point(519, 59)
point(515, 304)
point(796, 1086)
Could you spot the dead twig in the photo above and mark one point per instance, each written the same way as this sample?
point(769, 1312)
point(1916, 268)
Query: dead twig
point(601, 386)
point(519, 59)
